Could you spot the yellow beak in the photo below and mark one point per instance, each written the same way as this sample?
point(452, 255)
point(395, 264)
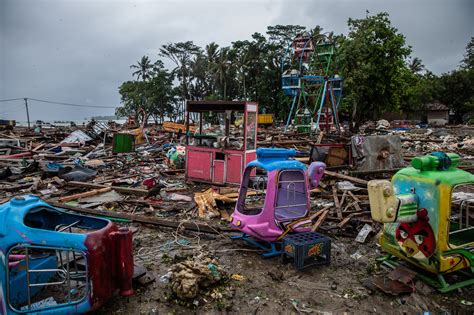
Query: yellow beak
point(410, 247)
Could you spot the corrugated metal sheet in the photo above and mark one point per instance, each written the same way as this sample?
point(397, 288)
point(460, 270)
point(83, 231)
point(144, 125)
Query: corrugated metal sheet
point(377, 152)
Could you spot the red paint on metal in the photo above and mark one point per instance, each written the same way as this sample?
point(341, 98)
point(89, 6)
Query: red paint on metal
point(110, 263)
point(234, 168)
point(124, 260)
point(250, 156)
point(218, 171)
point(199, 164)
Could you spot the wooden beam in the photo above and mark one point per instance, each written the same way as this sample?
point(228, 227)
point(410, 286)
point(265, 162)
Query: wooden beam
point(320, 220)
point(85, 194)
point(318, 213)
point(345, 177)
point(125, 190)
point(193, 226)
point(336, 202)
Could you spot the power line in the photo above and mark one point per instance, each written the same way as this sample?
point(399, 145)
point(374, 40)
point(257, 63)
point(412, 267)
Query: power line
point(11, 99)
point(69, 104)
point(57, 103)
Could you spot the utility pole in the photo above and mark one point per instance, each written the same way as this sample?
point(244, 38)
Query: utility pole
point(27, 113)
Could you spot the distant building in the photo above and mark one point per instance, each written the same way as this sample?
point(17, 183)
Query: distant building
point(435, 113)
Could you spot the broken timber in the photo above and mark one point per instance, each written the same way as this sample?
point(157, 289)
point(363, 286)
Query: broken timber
point(193, 226)
point(345, 177)
point(85, 194)
point(125, 190)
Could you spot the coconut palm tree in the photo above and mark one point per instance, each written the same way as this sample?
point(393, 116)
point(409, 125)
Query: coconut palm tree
point(212, 53)
point(220, 68)
point(144, 68)
point(181, 54)
point(415, 65)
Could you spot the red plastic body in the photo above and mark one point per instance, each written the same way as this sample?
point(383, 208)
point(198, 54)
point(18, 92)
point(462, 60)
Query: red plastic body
point(110, 263)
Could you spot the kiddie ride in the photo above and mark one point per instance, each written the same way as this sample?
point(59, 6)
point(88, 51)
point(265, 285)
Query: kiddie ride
point(428, 219)
point(274, 198)
point(54, 262)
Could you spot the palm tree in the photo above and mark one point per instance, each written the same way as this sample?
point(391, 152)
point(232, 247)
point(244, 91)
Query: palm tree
point(144, 69)
point(181, 55)
point(415, 65)
point(243, 62)
point(212, 53)
point(220, 68)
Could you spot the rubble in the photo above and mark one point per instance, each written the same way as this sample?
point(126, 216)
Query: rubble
point(146, 190)
point(191, 277)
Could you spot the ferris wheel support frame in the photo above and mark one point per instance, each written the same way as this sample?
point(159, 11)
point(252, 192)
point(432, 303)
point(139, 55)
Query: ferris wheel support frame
point(325, 94)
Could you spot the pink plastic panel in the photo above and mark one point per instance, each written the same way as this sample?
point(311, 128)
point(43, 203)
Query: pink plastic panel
point(234, 168)
point(198, 165)
point(218, 171)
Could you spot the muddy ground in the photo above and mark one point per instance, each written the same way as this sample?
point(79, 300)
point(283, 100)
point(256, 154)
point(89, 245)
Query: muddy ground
point(270, 287)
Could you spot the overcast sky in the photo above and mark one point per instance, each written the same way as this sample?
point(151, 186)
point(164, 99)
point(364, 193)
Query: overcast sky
point(80, 51)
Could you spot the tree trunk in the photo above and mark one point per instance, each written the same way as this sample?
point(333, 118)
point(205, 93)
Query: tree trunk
point(354, 120)
point(225, 89)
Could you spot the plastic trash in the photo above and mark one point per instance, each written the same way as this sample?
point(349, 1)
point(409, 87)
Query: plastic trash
point(78, 174)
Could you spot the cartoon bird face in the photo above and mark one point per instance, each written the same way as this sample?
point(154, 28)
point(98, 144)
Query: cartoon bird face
point(417, 238)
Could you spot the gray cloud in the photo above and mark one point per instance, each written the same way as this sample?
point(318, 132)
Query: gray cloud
point(80, 51)
point(437, 30)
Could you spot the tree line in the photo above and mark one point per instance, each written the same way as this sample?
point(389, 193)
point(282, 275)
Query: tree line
point(380, 74)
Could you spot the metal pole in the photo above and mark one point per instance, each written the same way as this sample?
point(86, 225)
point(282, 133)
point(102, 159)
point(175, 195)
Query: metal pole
point(27, 112)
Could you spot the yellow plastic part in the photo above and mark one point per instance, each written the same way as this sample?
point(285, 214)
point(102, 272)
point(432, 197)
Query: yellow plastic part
point(265, 119)
point(383, 202)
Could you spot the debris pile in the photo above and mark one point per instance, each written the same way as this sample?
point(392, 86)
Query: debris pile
point(193, 276)
point(78, 169)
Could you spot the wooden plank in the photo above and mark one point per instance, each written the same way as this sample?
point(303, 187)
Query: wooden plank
point(302, 159)
point(356, 206)
point(346, 177)
point(345, 221)
point(343, 198)
point(321, 219)
point(348, 218)
point(85, 194)
point(116, 179)
point(320, 137)
point(318, 213)
point(336, 202)
point(39, 147)
point(353, 196)
point(125, 190)
point(193, 226)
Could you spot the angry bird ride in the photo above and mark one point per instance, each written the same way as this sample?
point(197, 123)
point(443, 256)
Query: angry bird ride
point(428, 223)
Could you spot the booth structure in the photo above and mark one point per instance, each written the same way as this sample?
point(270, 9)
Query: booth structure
point(224, 141)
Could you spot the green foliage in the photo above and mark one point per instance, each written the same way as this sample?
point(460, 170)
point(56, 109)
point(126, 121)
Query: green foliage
point(372, 64)
point(181, 54)
point(457, 91)
point(153, 94)
point(373, 59)
point(468, 61)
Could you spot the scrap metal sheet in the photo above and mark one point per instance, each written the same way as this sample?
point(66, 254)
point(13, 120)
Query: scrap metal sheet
point(377, 152)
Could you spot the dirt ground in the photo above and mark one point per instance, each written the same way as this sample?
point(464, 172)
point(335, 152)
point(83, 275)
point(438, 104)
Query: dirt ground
point(270, 287)
point(250, 283)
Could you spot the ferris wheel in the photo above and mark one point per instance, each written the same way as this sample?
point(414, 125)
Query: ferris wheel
point(309, 76)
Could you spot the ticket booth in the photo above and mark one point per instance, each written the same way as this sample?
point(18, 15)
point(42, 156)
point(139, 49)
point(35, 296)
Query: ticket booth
point(224, 141)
